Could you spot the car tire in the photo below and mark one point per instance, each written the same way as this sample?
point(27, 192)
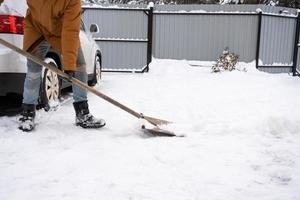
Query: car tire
point(97, 72)
point(50, 91)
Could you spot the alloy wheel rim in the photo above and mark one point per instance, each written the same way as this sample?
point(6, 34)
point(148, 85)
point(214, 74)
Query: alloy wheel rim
point(98, 71)
point(52, 86)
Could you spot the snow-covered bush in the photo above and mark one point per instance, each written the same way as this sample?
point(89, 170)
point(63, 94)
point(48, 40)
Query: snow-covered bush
point(227, 61)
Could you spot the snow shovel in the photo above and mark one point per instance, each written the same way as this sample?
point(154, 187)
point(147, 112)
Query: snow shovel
point(156, 131)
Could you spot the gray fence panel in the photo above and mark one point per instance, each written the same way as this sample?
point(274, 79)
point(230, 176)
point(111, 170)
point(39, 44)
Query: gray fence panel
point(122, 37)
point(298, 58)
point(277, 40)
point(298, 63)
point(279, 10)
point(123, 56)
point(125, 24)
point(203, 37)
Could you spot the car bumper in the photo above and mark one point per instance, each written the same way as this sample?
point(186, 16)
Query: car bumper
point(10, 61)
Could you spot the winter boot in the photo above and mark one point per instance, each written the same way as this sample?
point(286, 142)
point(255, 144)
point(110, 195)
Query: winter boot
point(26, 121)
point(84, 118)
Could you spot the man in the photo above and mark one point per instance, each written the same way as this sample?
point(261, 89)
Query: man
point(54, 23)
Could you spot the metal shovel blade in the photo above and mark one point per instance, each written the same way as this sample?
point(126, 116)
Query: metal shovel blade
point(155, 121)
point(156, 131)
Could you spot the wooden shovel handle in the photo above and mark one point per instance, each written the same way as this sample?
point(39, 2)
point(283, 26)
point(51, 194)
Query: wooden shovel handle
point(153, 121)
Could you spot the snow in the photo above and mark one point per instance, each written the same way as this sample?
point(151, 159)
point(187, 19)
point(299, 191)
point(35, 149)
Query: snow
point(150, 5)
point(204, 11)
point(260, 63)
point(121, 39)
point(112, 6)
point(200, 11)
point(242, 140)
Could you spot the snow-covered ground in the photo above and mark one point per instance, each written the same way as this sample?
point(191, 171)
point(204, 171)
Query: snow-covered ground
point(242, 140)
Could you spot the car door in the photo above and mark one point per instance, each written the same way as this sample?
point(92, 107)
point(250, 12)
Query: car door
point(86, 48)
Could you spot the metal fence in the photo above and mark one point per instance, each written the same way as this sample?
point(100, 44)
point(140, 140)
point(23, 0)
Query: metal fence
point(123, 36)
point(129, 35)
point(296, 63)
point(203, 36)
point(277, 42)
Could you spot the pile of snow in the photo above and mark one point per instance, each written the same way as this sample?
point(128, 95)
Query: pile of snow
point(242, 140)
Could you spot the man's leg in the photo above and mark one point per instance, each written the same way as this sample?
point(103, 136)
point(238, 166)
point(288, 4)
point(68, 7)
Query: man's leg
point(32, 89)
point(83, 116)
point(80, 94)
point(34, 76)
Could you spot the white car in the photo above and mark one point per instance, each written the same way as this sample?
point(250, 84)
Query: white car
point(13, 66)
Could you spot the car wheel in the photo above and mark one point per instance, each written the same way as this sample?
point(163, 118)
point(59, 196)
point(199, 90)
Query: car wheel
point(97, 72)
point(50, 87)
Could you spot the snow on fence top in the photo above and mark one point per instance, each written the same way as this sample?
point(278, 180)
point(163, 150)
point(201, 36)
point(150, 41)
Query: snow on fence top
point(114, 6)
point(194, 9)
point(239, 9)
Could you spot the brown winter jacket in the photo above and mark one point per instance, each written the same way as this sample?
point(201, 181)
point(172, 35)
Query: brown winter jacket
point(58, 21)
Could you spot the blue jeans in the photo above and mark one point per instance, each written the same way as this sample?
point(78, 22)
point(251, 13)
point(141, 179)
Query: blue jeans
point(33, 78)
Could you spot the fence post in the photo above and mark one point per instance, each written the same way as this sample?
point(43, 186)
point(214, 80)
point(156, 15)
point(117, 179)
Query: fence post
point(149, 35)
point(258, 37)
point(295, 57)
